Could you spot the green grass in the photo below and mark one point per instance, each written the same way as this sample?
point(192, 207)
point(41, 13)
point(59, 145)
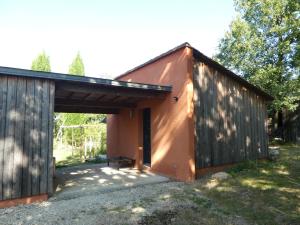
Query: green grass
point(69, 161)
point(76, 160)
point(65, 158)
point(262, 192)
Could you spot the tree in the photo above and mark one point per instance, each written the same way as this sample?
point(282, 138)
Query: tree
point(76, 137)
point(77, 67)
point(67, 119)
point(262, 45)
point(41, 63)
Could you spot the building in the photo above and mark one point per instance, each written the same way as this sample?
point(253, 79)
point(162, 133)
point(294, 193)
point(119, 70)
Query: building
point(181, 114)
point(211, 119)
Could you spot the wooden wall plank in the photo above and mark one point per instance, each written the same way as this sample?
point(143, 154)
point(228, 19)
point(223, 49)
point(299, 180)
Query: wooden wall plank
point(26, 132)
point(237, 123)
point(215, 118)
point(50, 151)
point(28, 142)
point(3, 97)
point(228, 120)
point(44, 138)
point(236, 117)
point(232, 144)
point(197, 102)
point(201, 130)
point(9, 139)
point(226, 151)
point(19, 137)
point(219, 122)
point(247, 125)
point(36, 138)
point(221, 119)
point(260, 128)
point(205, 88)
point(208, 78)
point(252, 126)
point(254, 123)
point(257, 122)
point(242, 135)
point(266, 130)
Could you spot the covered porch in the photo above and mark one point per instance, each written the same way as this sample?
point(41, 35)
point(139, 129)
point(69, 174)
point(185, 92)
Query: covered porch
point(29, 100)
point(91, 179)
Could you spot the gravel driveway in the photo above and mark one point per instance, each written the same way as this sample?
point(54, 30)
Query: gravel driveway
point(125, 206)
point(92, 194)
point(73, 182)
point(119, 198)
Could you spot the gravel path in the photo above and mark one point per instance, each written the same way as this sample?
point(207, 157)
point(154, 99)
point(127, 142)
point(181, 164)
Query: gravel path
point(117, 207)
point(97, 179)
point(98, 195)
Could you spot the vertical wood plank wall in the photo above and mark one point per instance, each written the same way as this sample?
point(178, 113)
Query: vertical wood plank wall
point(26, 123)
point(230, 120)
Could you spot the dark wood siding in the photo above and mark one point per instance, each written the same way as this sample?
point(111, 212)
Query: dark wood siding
point(26, 123)
point(291, 127)
point(230, 120)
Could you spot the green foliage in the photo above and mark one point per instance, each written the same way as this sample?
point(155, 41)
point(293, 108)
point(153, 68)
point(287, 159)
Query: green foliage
point(263, 46)
point(41, 63)
point(66, 119)
point(76, 137)
point(77, 66)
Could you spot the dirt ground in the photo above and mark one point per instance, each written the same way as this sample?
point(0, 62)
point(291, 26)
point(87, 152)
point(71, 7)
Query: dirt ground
point(99, 195)
point(73, 182)
point(255, 192)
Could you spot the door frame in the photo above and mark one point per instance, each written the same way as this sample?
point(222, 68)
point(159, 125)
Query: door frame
point(146, 150)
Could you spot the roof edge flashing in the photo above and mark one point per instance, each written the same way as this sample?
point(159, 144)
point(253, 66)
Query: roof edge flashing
point(9, 71)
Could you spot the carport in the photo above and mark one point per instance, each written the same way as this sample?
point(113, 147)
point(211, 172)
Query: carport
point(28, 100)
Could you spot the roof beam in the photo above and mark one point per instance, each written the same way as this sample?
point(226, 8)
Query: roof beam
point(86, 96)
point(102, 96)
point(111, 90)
point(75, 109)
point(79, 103)
point(115, 98)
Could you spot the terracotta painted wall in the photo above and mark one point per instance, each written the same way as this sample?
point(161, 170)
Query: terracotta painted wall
point(172, 123)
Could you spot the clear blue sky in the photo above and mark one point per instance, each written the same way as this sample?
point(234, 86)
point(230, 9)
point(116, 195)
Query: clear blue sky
point(112, 36)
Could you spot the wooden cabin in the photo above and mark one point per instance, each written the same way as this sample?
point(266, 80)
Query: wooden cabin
point(180, 114)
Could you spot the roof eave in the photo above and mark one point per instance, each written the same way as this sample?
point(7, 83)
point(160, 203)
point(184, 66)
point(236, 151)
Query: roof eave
point(81, 79)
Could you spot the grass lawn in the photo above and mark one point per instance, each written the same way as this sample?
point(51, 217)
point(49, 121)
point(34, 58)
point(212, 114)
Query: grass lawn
point(65, 158)
point(260, 192)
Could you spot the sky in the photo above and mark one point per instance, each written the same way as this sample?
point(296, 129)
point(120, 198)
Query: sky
point(112, 36)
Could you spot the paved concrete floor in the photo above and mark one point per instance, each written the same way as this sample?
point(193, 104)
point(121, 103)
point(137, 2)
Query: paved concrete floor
point(92, 179)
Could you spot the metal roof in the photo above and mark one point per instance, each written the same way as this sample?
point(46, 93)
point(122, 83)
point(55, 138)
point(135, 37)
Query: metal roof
point(81, 79)
point(81, 94)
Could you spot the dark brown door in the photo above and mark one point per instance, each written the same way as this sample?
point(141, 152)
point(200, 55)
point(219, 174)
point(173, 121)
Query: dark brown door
point(147, 136)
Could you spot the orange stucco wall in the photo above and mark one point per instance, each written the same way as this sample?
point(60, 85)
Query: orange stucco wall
point(172, 123)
